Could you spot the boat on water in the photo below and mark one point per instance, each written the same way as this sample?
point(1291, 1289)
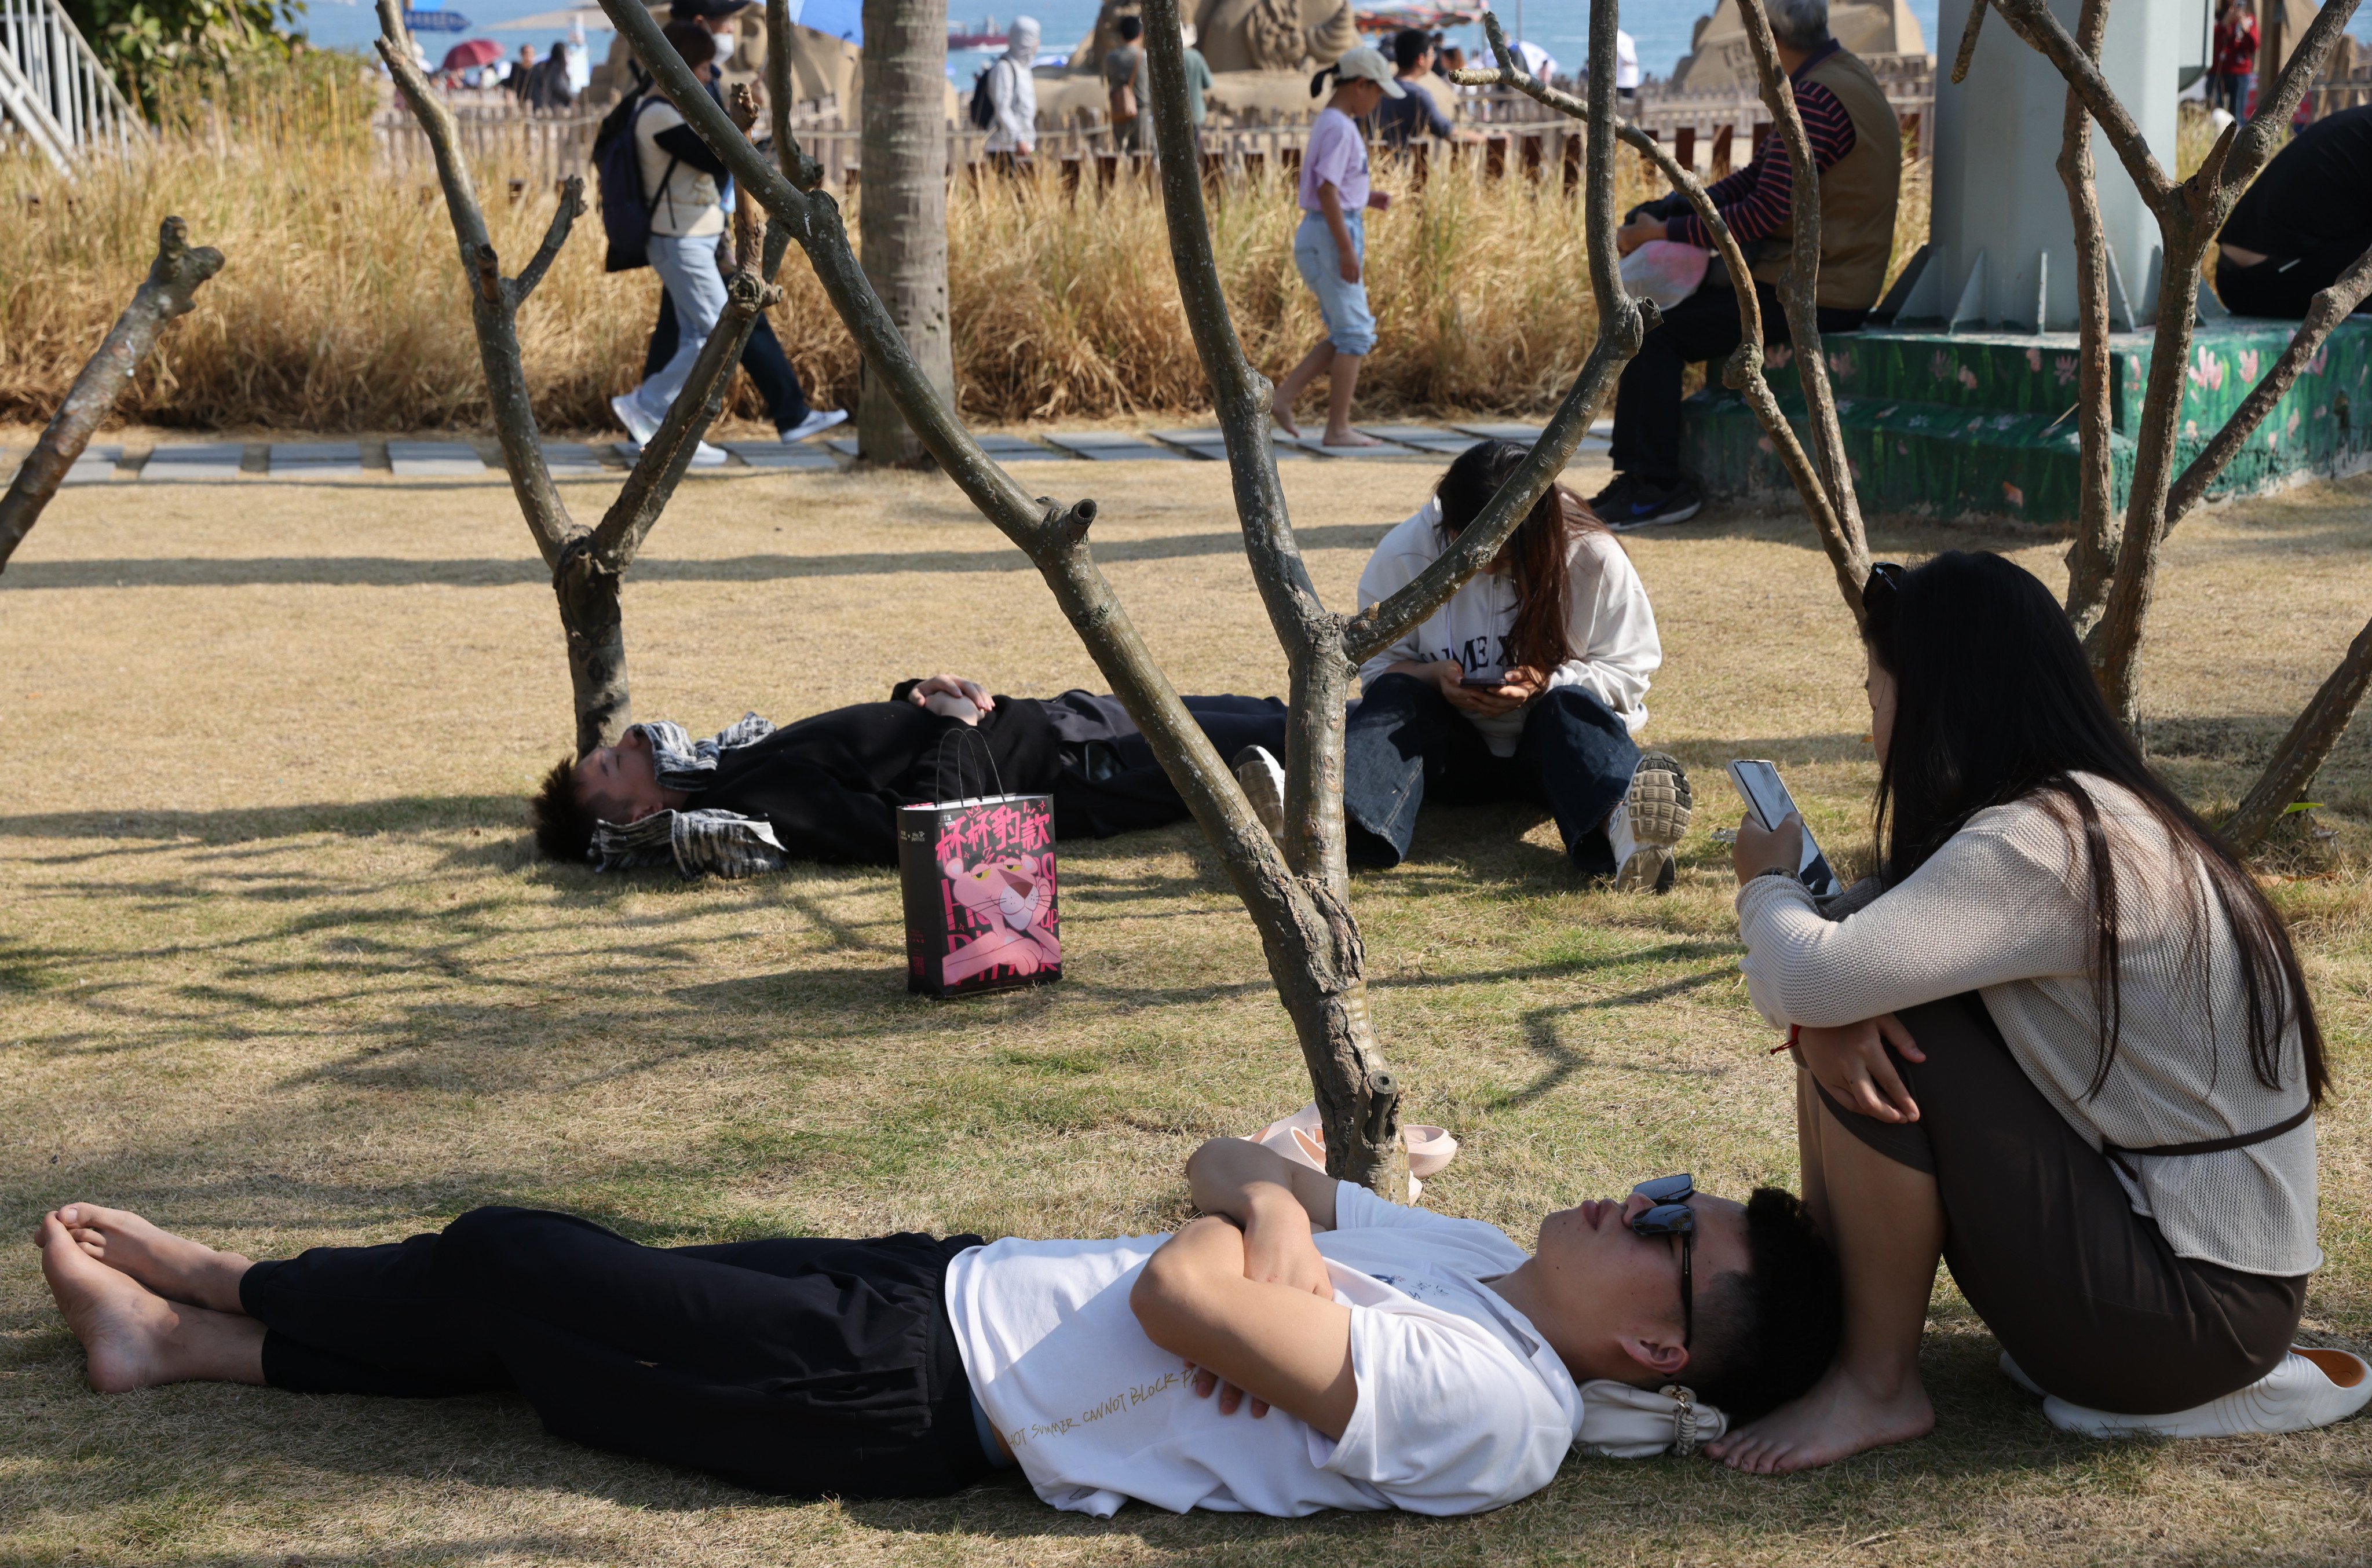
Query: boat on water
point(983, 34)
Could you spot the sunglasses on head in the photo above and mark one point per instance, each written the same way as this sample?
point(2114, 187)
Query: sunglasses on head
point(1668, 1213)
point(1885, 579)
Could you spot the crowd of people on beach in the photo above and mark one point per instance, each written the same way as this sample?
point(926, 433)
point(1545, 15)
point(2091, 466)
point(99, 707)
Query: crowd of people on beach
point(2057, 1040)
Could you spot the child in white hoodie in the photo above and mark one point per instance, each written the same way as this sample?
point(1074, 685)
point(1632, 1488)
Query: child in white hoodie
point(1529, 684)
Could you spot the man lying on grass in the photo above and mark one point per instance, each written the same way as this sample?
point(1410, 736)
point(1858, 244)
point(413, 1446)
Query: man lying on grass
point(1394, 1358)
point(828, 787)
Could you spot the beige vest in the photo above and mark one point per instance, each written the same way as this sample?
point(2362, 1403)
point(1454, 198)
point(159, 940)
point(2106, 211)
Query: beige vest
point(1858, 194)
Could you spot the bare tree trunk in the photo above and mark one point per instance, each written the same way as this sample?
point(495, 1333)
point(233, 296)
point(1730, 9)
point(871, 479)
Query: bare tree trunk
point(2093, 556)
point(2189, 215)
point(2300, 755)
point(903, 225)
point(1294, 897)
point(587, 564)
point(173, 279)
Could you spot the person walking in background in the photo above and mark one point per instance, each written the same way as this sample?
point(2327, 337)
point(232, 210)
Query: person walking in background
point(547, 84)
point(1857, 148)
point(2236, 56)
point(523, 69)
point(1329, 248)
point(1013, 97)
point(679, 177)
point(1417, 111)
point(1198, 87)
point(1529, 684)
point(1122, 67)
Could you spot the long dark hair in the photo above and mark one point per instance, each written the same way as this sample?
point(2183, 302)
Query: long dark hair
point(1995, 702)
point(1538, 555)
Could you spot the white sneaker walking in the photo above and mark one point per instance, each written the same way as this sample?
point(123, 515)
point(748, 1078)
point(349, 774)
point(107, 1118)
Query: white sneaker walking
point(817, 421)
point(639, 427)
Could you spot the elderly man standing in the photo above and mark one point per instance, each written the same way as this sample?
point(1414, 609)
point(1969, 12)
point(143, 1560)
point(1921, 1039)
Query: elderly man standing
point(1857, 148)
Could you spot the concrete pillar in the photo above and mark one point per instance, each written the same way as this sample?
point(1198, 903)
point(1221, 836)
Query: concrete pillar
point(2003, 246)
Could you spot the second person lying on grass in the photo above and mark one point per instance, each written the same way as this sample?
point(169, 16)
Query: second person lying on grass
point(1529, 684)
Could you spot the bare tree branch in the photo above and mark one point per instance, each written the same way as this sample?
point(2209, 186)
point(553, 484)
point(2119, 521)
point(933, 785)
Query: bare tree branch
point(173, 278)
point(564, 221)
point(802, 171)
point(2331, 306)
point(1743, 371)
point(2303, 750)
point(1968, 42)
point(2093, 556)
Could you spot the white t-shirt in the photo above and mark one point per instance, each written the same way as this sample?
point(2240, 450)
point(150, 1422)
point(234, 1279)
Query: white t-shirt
point(1462, 1406)
point(1609, 622)
point(688, 206)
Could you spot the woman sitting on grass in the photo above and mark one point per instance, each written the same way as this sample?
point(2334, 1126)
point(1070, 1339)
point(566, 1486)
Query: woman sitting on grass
point(2060, 1039)
point(1527, 685)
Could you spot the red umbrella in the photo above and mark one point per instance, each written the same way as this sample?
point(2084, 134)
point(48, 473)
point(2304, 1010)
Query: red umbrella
point(475, 52)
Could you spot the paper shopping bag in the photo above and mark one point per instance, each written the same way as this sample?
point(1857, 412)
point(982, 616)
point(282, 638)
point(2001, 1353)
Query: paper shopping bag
point(978, 877)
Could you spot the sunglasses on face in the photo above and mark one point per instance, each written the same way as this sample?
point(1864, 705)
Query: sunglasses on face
point(1667, 1215)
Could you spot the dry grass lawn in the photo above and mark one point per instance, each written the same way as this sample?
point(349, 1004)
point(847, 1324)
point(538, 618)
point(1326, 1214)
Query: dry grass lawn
point(277, 968)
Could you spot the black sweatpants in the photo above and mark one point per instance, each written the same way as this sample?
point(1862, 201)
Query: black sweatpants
point(805, 1367)
point(2084, 1293)
point(1704, 327)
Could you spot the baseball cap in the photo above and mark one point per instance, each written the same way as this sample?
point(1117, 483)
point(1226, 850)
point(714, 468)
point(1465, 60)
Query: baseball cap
point(1367, 61)
point(708, 11)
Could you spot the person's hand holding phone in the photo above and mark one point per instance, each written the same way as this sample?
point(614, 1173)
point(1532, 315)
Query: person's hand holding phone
point(1759, 848)
point(1503, 695)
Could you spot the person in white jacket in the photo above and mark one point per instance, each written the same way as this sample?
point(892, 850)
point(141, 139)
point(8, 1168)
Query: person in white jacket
point(1531, 683)
point(1012, 94)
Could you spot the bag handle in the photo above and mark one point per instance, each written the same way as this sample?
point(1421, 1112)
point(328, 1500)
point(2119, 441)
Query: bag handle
point(955, 737)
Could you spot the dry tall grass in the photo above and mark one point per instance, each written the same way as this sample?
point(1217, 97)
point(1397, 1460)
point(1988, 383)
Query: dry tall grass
point(342, 308)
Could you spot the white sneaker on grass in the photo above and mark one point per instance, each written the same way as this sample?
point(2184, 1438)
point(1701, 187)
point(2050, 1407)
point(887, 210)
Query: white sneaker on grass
point(1651, 819)
point(2313, 1387)
point(817, 421)
point(1262, 777)
point(639, 427)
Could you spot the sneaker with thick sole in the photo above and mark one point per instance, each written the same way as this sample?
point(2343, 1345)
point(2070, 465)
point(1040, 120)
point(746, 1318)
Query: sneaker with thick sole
point(2313, 1387)
point(817, 421)
point(639, 427)
point(1647, 504)
point(1649, 823)
point(1262, 777)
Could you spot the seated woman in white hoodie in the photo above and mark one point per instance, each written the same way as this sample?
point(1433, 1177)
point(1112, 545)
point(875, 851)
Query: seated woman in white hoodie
point(1412, 1361)
point(1529, 684)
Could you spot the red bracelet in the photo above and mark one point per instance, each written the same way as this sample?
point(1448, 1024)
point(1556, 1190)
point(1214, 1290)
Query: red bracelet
point(1795, 1032)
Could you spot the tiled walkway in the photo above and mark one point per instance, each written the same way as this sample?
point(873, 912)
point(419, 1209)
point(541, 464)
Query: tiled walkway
point(331, 461)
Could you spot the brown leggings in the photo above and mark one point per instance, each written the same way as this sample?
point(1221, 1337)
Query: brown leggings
point(2085, 1294)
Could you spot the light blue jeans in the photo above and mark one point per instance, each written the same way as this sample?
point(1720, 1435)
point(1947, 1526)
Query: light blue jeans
point(696, 289)
point(1350, 326)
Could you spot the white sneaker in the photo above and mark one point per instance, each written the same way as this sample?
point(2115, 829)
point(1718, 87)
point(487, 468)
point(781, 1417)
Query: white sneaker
point(1651, 819)
point(817, 421)
point(1262, 777)
point(638, 425)
point(703, 456)
point(2312, 1387)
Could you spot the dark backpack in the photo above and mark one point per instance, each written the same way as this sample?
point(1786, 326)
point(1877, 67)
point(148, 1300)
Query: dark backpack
point(625, 205)
point(983, 106)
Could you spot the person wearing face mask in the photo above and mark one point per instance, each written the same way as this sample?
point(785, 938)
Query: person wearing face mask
point(2060, 1040)
point(1013, 97)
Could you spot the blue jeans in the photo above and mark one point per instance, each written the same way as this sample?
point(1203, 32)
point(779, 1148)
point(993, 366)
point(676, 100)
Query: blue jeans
point(1405, 743)
point(696, 289)
point(1350, 327)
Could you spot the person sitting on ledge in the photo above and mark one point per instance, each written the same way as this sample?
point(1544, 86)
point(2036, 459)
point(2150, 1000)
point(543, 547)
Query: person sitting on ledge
point(1393, 1357)
point(828, 787)
point(2302, 224)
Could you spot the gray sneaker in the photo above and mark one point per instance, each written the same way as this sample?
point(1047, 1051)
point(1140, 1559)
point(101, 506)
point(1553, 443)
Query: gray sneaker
point(1262, 777)
point(1649, 823)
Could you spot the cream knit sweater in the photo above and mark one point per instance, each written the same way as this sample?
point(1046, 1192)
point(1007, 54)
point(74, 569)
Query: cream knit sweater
point(2003, 910)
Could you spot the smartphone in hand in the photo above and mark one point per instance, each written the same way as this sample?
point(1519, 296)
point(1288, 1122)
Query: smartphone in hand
point(1765, 793)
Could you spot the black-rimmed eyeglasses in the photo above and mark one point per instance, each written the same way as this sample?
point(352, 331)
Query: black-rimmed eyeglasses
point(1668, 1213)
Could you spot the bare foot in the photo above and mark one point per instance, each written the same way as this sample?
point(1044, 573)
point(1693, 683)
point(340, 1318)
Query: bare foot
point(1835, 1417)
point(1282, 412)
point(133, 1338)
point(173, 1266)
point(1348, 437)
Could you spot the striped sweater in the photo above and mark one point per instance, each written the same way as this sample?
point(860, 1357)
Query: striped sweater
point(1755, 201)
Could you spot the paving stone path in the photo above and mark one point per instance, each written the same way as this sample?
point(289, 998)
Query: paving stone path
point(330, 461)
